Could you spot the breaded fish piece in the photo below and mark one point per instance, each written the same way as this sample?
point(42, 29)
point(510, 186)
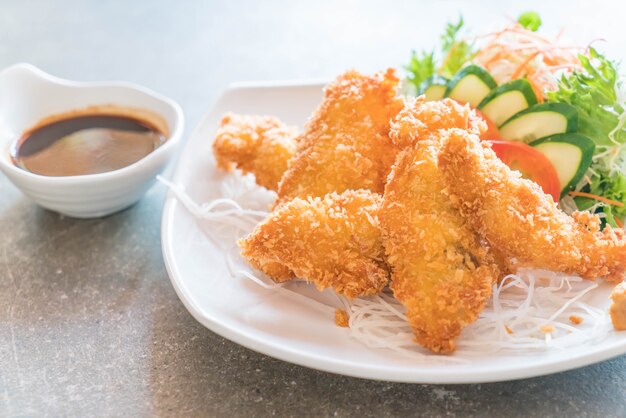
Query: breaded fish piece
point(618, 307)
point(261, 145)
point(440, 270)
point(515, 216)
point(345, 145)
point(421, 120)
point(333, 241)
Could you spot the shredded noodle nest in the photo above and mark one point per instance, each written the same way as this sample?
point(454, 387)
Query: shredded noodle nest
point(530, 311)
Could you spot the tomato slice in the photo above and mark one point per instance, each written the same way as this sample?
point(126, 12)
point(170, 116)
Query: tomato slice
point(492, 129)
point(531, 163)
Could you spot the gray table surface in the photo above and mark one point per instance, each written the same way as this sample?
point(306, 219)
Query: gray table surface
point(89, 323)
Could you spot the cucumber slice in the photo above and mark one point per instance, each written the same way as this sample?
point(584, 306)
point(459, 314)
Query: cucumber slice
point(434, 88)
point(539, 121)
point(570, 155)
point(471, 85)
point(507, 100)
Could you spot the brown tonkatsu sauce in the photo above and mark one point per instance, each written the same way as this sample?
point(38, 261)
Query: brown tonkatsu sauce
point(86, 144)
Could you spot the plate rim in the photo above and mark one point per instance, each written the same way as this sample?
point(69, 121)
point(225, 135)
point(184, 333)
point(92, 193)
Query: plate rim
point(325, 363)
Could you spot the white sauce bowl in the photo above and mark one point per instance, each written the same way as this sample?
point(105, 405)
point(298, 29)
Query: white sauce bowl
point(27, 95)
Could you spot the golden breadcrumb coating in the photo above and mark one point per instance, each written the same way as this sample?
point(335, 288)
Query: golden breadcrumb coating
point(341, 318)
point(440, 270)
point(261, 145)
point(421, 120)
point(334, 241)
point(618, 307)
point(345, 145)
point(515, 216)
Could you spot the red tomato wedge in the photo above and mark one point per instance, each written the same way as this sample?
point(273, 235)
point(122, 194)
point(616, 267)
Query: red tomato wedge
point(531, 163)
point(492, 130)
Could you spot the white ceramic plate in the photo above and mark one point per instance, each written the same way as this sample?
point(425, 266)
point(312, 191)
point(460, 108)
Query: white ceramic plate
point(267, 321)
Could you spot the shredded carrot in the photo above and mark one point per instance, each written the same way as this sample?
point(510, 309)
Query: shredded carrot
point(508, 330)
point(515, 52)
point(596, 197)
point(508, 54)
point(499, 57)
point(529, 34)
point(546, 48)
point(551, 60)
point(495, 34)
point(518, 71)
point(566, 66)
point(619, 222)
point(548, 59)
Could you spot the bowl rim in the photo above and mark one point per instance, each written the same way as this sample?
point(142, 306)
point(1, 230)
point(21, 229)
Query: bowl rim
point(172, 140)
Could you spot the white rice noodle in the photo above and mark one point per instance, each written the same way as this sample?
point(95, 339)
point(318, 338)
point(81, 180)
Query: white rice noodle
point(530, 311)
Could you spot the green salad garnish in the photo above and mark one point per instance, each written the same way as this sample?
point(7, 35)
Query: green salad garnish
point(530, 21)
point(453, 55)
point(456, 52)
point(589, 115)
point(593, 91)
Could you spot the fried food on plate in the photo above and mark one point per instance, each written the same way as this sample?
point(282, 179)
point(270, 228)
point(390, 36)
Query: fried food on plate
point(515, 216)
point(261, 145)
point(421, 119)
point(440, 270)
point(618, 307)
point(332, 241)
point(345, 145)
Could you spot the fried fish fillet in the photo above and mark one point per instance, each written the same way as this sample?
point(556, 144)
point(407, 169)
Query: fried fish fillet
point(618, 307)
point(261, 145)
point(421, 120)
point(441, 271)
point(345, 145)
point(333, 241)
point(515, 216)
